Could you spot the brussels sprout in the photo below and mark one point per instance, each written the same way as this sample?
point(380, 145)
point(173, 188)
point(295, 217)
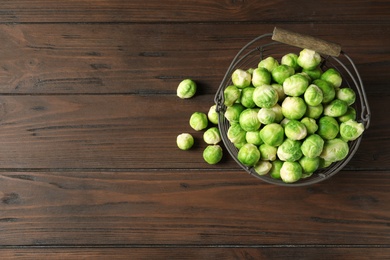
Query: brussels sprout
point(236, 134)
point(310, 124)
point(295, 130)
point(186, 89)
point(253, 137)
point(248, 119)
point(350, 114)
point(212, 154)
point(314, 73)
point(241, 78)
point(289, 150)
point(295, 85)
point(212, 135)
point(265, 96)
point(262, 167)
point(313, 95)
point(275, 169)
point(278, 113)
point(184, 141)
point(346, 94)
point(279, 89)
point(213, 115)
point(328, 128)
point(198, 121)
point(333, 77)
point(291, 60)
point(327, 89)
point(291, 172)
point(351, 130)
point(232, 113)
point(231, 95)
point(248, 154)
point(282, 72)
point(247, 97)
point(312, 146)
point(260, 77)
point(314, 111)
point(267, 152)
point(293, 107)
point(309, 165)
point(268, 63)
point(308, 59)
point(334, 150)
point(336, 108)
point(266, 115)
point(272, 134)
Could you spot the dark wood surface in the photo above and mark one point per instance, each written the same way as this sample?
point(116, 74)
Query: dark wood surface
point(89, 116)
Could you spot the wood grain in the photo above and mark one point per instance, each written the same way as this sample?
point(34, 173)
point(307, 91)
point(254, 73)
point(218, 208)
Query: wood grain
point(130, 132)
point(162, 207)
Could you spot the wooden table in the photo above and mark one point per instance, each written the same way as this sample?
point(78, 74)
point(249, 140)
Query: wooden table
point(89, 118)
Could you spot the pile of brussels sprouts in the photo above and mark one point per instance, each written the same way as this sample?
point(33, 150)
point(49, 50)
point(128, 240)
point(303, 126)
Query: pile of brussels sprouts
point(287, 119)
point(290, 118)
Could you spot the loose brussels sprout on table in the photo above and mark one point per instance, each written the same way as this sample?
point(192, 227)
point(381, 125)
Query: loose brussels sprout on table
point(186, 89)
point(185, 141)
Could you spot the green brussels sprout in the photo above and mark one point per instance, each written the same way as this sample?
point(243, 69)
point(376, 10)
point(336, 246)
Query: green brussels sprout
point(184, 141)
point(253, 137)
point(186, 89)
point(262, 167)
point(267, 152)
point(336, 108)
point(265, 96)
point(346, 94)
point(314, 73)
point(241, 78)
point(351, 130)
point(335, 150)
point(310, 124)
point(314, 111)
point(294, 107)
point(279, 89)
point(247, 97)
point(313, 95)
point(232, 113)
point(295, 130)
point(282, 72)
point(212, 135)
point(268, 63)
point(248, 119)
point(275, 169)
point(198, 121)
point(212, 154)
point(308, 59)
point(213, 115)
point(328, 127)
point(332, 76)
point(261, 76)
point(312, 146)
point(248, 154)
point(289, 150)
point(266, 115)
point(295, 85)
point(272, 134)
point(309, 165)
point(327, 89)
point(231, 95)
point(278, 113)
point(291, 172)
point(236, 134)
point(349, 115)
point(291, 60)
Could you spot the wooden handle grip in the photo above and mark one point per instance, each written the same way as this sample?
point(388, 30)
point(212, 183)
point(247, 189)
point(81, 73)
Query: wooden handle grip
point(306, 42)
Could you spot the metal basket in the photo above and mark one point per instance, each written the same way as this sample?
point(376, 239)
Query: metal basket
point(277, 44)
